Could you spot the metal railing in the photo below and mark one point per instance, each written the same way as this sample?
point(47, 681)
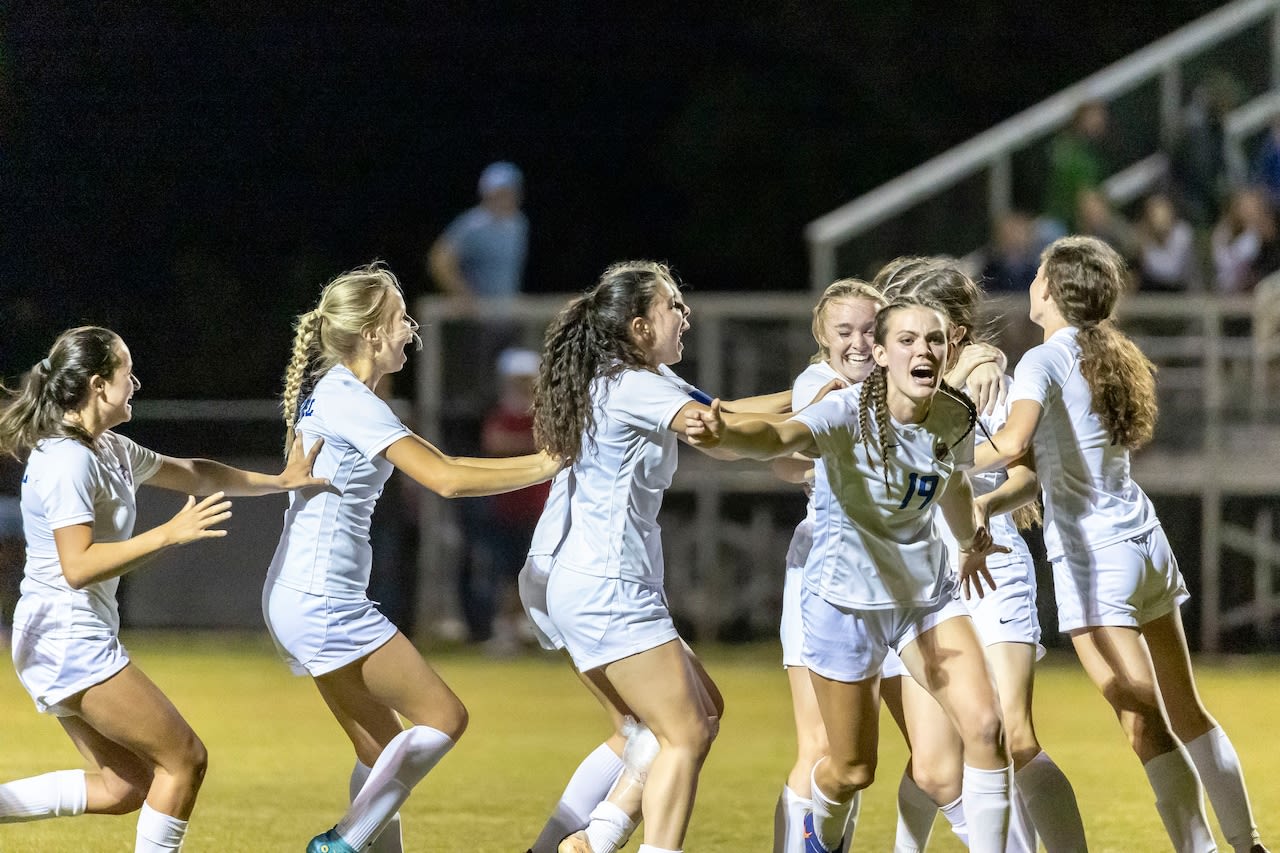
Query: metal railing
point(994, 149)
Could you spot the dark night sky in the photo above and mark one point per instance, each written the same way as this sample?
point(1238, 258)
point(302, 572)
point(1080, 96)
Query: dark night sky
point(191, 175)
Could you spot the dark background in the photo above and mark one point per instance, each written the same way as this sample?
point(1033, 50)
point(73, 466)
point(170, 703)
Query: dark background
point(192, 175)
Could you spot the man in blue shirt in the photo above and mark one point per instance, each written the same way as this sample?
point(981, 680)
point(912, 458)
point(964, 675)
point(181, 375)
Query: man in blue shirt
point(481, 254)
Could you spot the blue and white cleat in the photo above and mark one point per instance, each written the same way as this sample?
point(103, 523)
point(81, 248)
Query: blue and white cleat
point(811, 842)
point(329, 842)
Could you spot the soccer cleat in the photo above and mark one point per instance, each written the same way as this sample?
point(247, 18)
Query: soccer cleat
point(576, 843)
point(811, 842)
point(329, 842)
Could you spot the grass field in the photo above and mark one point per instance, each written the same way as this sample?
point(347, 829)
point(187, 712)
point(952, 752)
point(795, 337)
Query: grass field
point(279, 764)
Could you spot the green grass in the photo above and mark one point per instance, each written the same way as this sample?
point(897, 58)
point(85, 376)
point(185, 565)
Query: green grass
point(279, 763)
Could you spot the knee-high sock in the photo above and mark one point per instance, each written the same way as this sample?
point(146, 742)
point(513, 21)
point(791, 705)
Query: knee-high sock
point(588, 787)
point(391, 839)
point(58, 794)
point(1216, 761)
point(1051, 800)
point(986, 808)
point(833, 822)
point(954, 813)
point(158, 833)
point(1177, 790)
point(410, 756)
point(1022, 832)
point(916, 812)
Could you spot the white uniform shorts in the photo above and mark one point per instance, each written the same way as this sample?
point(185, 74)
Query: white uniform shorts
point(1007, 614)
point(792, 627)
point(850, 645)
point(316, 634)
point(1126, 584)
point(533, 595)
point(602, 620)
point(54, 669)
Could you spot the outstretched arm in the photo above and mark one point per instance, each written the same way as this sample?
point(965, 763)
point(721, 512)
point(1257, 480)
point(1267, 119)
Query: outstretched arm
point(204, 476)
point(748, 435)
point(463, 476)
point(1012, 441)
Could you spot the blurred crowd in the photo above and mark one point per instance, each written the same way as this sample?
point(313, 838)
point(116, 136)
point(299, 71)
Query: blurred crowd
point(1208, 225)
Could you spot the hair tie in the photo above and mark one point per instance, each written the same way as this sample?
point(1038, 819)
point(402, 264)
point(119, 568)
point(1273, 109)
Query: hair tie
point(46, 364)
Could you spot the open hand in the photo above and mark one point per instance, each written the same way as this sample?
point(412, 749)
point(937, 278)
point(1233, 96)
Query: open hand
point(196, 520)
point(973, 564)
point(297, 468)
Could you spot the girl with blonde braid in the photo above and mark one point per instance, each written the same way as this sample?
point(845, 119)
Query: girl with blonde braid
point(315, 600)
point(894, 448)
point(1083, 400)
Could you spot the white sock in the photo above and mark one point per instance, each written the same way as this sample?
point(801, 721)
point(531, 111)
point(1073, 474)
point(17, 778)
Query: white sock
point(986, 808)
point(788, 822)
point(58, 794)
point(1049, 798)
point(1022, 832)
point(410, 756)
point(1219, 768)
point(649, 848)
point(916, 812)
point(609, 829)
point(954, 813)
point(1177, 790)
point(391, 839)
point(158, 833)
point(588, 787)
point(832, 821)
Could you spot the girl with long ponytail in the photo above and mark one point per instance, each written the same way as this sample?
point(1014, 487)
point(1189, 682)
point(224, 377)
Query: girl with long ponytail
point(1083, 400)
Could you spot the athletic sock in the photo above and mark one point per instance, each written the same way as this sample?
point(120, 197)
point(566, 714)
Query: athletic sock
point(649, 848)
point(609, 828)
point(58, 794)
point(1051, 801)
point(832, 821)
point(1218, 764)
point(916, 813)
point(986, 808)
point(1178, 801)
point(410, 756)
point(788, 822)
point(954, 813)
point(1022, 832)
point(391, 839)
point(158, 833)
point(587, 788)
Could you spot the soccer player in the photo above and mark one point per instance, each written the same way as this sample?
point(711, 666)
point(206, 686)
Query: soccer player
point(78, 512)
point(893, 448)
point(315, 600)
point(1083, 400)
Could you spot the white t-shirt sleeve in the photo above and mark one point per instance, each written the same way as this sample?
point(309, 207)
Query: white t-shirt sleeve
point(365, 422)
point(646, 400)
point(963, 452)
point(1033, 377)
point(806, 387)
point(828, 414)
point(143, 462)
point(66, 485)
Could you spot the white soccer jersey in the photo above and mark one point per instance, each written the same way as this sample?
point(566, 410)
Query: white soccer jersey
point(324, 549)
point(553, 523)
point(874, 543)
point(619, 481)
point(803, 390)
point(67, 483)
point(1090, 499)
point(1003, 530)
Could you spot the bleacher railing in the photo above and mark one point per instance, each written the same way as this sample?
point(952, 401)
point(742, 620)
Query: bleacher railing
point(993, 151)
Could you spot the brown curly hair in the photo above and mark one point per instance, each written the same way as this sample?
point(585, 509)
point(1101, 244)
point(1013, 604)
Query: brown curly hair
point(1085, 278)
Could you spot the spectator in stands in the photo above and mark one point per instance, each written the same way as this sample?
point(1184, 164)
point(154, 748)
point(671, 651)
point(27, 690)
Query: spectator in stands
point(1245, 244)
point(1096, 218)
point(482, 252)
point(1076, 162)
point(1265, 172)
point(1200, 170)
point(1166, 248)
point(1013, 256)
point(10, 543)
